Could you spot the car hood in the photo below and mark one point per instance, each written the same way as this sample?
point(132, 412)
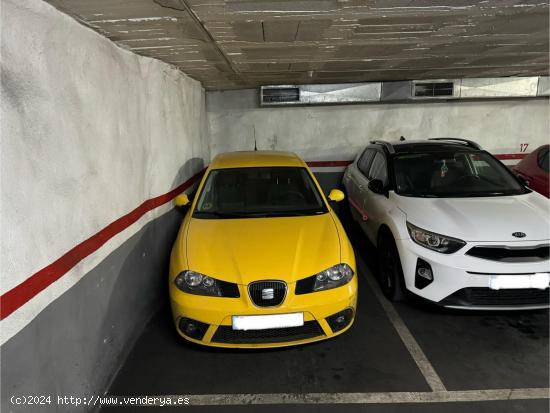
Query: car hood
point(481, 218)
point(245, 250)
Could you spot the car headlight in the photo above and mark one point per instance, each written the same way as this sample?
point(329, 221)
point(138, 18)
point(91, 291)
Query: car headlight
point(433, 241)
point(193, 282)
point(332, 277)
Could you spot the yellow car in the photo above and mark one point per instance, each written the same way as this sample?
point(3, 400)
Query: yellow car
point(261, 260)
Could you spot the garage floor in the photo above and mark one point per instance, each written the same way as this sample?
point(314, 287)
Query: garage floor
point(440, 360)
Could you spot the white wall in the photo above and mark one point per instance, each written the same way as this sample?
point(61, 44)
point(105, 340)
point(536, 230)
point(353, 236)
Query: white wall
point(89, 131)
point(338, 132)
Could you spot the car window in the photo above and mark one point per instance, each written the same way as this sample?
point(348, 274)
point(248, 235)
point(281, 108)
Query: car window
point(258, 192)
point(378, 169)
point(462, 173)
point(364, 162)
point(542, 159)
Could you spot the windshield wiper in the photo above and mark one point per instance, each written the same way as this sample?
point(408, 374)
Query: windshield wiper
point(413, 195)
point(480, 194)
point(218, 214)
point(266, 214)
point(295, 213)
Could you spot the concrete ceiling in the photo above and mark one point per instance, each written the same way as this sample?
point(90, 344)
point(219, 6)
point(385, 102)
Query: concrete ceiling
point(230, 44)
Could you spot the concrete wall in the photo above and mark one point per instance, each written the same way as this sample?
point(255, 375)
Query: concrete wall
point(338, 132)
point(89, 132)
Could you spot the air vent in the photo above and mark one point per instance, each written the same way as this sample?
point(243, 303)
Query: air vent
point(433, 89)
point(280, 95)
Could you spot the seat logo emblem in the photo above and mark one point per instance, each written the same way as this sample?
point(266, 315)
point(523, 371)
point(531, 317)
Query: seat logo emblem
point(518, 234)
point(268, 294)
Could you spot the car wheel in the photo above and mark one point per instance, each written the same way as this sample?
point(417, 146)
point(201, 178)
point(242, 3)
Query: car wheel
point(390, 270)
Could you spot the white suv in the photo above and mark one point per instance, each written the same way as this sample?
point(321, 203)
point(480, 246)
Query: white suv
point(452, 224)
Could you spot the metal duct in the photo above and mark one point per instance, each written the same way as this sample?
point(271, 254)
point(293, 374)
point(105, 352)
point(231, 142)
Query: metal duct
point(406, 91)
point(498, 88)
point(320, 94)
point(543, 88)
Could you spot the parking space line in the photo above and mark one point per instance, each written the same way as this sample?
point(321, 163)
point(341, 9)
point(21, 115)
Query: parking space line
point(366, 398)
point(426, 368)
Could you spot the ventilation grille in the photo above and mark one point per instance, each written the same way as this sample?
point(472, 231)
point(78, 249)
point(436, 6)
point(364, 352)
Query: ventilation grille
point(433, 89)
point(280, 95)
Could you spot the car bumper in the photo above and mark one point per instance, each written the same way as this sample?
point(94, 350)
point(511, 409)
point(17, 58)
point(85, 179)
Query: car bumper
point(216, 314)
point(463, 281)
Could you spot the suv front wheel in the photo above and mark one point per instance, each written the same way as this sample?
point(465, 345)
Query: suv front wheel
point(390, 272)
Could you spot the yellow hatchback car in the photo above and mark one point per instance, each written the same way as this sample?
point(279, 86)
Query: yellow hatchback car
point(261, 259)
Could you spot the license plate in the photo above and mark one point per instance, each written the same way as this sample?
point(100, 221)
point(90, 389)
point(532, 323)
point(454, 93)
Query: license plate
point(262, 322)
point(539, 280)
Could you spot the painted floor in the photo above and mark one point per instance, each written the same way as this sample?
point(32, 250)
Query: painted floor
point(408, 357)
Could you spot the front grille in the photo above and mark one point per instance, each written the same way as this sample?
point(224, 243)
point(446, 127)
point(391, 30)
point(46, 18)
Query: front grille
point(511, 254)
point(267, 293)
point(507, 297)
point(226, 334)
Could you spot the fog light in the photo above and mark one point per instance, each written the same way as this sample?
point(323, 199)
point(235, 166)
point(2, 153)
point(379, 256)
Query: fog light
point(340, 320)
point(423, 274)
point(192, 328)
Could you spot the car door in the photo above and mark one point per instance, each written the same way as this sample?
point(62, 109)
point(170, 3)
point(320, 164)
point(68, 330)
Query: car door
point(375, 205)
point(357, 181)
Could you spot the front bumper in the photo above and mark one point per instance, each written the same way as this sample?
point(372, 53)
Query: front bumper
point(463, 281)
point(216, 313)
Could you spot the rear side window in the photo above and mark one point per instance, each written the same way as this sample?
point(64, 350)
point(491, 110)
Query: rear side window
point(364, 162)
point(542, 159)
point(378, 169)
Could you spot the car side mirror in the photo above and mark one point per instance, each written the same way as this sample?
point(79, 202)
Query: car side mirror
point(377, 186)
point(336, 195)
point(181, 202)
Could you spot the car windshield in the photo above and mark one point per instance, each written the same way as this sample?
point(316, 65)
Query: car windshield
point(259, 192)
point(453, 174)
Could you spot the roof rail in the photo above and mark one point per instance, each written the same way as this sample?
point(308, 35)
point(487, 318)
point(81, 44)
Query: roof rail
point(385, 144)
point(469, 143)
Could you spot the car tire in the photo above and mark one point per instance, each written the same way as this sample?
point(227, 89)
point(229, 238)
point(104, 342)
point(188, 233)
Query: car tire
point(390, 271)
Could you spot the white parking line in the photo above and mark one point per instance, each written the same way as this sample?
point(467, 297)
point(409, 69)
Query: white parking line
point(426, 368)
point(365, 398)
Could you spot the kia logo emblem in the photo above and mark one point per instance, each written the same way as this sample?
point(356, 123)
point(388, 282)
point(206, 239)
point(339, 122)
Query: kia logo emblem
point(518, 234)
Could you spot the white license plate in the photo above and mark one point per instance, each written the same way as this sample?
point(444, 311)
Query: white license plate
point(262, 322)
point(539, 280)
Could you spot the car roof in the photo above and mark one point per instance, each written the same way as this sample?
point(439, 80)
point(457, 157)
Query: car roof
point(247, 159)
point(425, 146)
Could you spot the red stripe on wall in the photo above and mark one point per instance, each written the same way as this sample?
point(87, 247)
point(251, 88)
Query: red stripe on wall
point(507, 156)
point(325, 164)
point(21, 293)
